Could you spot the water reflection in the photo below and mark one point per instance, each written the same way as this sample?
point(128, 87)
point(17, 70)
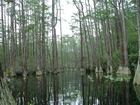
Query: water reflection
point(72, 88)
point(137, 90)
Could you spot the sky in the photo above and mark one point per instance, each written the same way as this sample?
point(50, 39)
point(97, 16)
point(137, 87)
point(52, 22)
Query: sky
point(68, 10)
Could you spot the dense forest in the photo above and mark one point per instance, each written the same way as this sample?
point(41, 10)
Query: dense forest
point(104, 36)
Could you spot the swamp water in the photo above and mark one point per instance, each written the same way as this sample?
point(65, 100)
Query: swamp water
point(72, 88)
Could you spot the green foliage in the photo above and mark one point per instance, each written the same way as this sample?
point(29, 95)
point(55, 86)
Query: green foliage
point(90, 78)
point(116, 56)
point(8, 71)
point(31, 65)
point(29, 27)
point(29, 103)
point(8, 1)
point(115, 79)
point(118, 78)
point(18, 68)
point(75, 93)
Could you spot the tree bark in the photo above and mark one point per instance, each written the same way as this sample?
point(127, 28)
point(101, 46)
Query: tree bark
point(85, 32)
point(24, 53)
point(126, 69)
point(43, 38)
point(137, 73)
point(54, 40)
point(61, 34)
point(3, 36)
point(108, 38)
point(81, 36)
point(37, 38)
point(98, 55)
point(12, 34)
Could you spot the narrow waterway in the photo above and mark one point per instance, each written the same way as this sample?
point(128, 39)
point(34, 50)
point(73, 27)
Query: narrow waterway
point(74, 88)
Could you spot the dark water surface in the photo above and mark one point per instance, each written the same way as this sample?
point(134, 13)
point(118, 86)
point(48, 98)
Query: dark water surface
point(72, 88)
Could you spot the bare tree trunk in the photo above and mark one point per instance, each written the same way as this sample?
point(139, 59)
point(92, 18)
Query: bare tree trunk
point(116, 24)
point(3, 35)
point(126, 69)
point(8, 51)
point(12, 34)
point(19, 36)
point(119, 25)
point(109, 52)
point(37, 40)
point(43, 38)
point(85, 32)
point(61, 34)
point(24, 53)
point(137, 73)
point(81, 36)
point(54, 42)
point(98, 64)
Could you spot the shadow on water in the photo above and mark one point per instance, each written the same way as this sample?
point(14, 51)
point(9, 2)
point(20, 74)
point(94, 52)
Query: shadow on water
point(72, 88)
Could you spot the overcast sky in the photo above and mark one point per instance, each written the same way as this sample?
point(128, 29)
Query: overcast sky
point(68, 10)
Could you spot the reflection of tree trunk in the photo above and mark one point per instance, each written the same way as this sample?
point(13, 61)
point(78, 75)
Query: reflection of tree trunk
point(123, 93)
point(137, 90)
point(83, 93)
point(88, 84)
point(38, 92)
point(108, 94)
point(55, 89)
point(63, 86)
point(127, 93)
point(99, 77)
point(112, 93)
point(25, 92)
point(45, 90)
point(49, 93)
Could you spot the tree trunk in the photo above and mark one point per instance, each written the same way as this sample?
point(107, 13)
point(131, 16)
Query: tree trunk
point(24, 53)
point(85, 32)
point(3, 36)
point(98, 55)
point(108, 38)
point(81, 36)
point(137, 73)
point(37, 40)
point(126, 69)
point(61, 34)
point(119, 25)
point(54, 41)
point(43, 38)
point(12, 34)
